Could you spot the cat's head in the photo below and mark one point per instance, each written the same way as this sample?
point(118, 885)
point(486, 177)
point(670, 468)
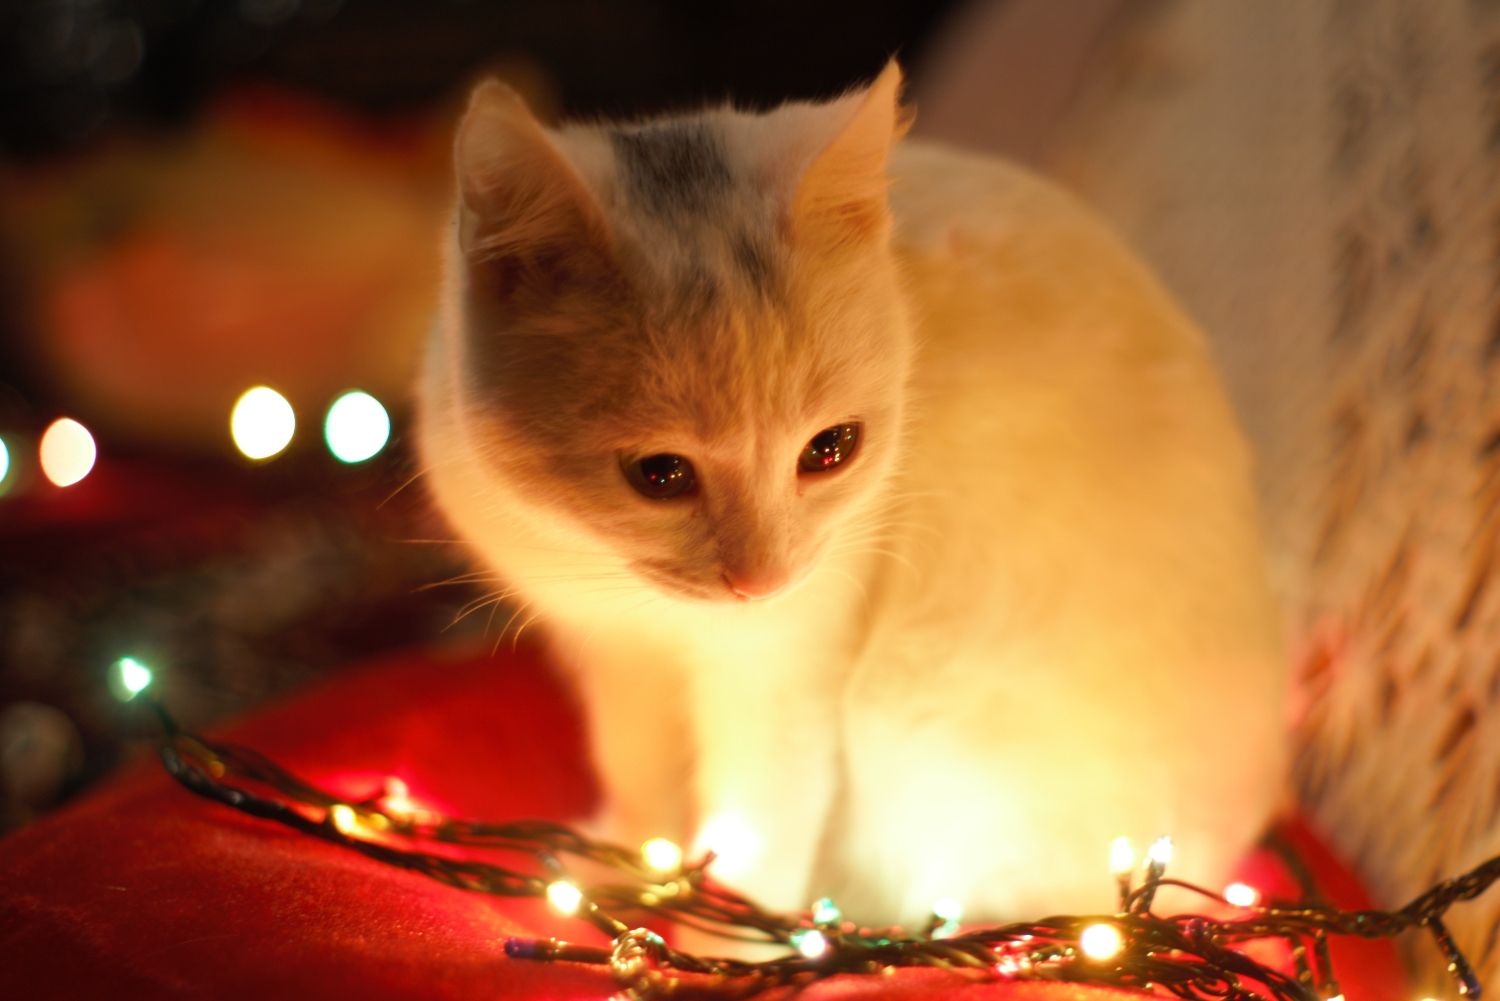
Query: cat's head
point(684, 335)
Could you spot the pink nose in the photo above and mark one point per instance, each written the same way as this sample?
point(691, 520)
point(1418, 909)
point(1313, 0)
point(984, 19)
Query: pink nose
point(754, 585)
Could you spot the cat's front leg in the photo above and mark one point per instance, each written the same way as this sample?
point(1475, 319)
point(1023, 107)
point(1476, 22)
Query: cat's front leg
point(639, 739)
point(766, 769)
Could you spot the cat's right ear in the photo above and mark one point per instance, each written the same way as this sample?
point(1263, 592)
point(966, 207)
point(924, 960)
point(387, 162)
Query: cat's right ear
point(520, 198)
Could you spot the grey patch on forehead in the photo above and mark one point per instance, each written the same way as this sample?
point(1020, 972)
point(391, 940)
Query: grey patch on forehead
point(753, 258)
point(673, 168)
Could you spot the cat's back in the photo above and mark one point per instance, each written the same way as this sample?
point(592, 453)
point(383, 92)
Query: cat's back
point(1051, 367)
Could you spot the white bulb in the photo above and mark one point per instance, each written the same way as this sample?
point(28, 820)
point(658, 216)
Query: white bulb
point(810, 942)
point(4, 460)
point(1101, 941)
point(1241, 895)
point(1161, 851)
point(262, 423)
point(948, 908)
point(357, 427)
point(67, 452)
point(1121, 856)
point(735, 844)
point(564, 896)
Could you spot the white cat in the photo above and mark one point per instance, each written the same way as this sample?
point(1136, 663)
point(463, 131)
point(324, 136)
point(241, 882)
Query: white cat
point(888, 514)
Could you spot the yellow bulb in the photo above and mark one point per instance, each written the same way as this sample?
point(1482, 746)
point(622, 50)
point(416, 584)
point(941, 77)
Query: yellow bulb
point(262, 423)
point(662, 855)
point(1101, 941)
point(357, 427)
point(1241, 895)
point(735, 844)
point(67, 452)
point(1161, 851)
point(344, 818)
point(564, 896)
point(1121, 856)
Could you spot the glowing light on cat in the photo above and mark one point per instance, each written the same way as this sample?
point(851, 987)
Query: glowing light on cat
point(735, 844)
point(67, 452)
point(1101, 941)
point(826, 912)
point(564, 896)
point(1121, 856)
point(662, 855)
point(1241, 895)
point(1161, 851)
point(810, 942)
point(262, 423)
point(356, 427)
point(128, 678)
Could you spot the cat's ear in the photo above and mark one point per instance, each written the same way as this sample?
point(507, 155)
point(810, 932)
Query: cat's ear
point(841, 197)
point(519, 196)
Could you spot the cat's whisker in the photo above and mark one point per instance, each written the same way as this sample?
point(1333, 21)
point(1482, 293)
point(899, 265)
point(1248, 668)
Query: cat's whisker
point(414, 477)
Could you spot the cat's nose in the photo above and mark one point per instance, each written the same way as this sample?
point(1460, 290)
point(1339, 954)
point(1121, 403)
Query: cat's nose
point(755, 585)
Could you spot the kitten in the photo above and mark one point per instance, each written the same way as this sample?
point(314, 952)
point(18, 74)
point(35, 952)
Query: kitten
point(887, 513)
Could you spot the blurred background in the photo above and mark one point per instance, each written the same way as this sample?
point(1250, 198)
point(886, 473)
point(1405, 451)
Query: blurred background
point(201, 198)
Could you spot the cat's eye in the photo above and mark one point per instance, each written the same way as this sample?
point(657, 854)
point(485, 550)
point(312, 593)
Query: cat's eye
point(829, 448)
point(661, 477)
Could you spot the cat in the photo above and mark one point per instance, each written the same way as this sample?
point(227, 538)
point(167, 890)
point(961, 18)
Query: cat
point(888, 516)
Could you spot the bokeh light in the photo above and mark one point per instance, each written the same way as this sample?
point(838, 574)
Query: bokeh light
point(67, 452)
point(262, 423)
point(128, 678)
point(1101, 941)
point(4, 464)
point(357, 427)
point(564, 896)
point(1241, 895)
point(662, 855)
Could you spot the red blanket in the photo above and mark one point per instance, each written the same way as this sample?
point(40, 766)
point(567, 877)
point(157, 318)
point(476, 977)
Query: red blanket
point(143, 890)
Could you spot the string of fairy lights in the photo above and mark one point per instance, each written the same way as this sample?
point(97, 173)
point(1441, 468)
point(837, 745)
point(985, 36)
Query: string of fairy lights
point(623, 892)
point(262, 423)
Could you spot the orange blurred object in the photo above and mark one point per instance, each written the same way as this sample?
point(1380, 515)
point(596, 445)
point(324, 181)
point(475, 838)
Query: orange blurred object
point(282, 242)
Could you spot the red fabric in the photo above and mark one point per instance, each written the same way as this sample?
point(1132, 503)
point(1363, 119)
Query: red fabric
point(143, 890)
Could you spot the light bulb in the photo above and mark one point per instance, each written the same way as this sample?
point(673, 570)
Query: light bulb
point(1101, 941)
point(1161, 851)
point(262, 423)
point(1241, 895)
point(129, 678)
point(826, 912)
point(735, 844)
point(67, 452)
point(564, 896)
point(357, 427)
point(1121, 856)
point(344, 819)
point(662, 855)
point(810, 942)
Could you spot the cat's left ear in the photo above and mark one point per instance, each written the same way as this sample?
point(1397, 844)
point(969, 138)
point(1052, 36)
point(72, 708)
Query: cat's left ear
point(841, 197)
point(519, 195)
